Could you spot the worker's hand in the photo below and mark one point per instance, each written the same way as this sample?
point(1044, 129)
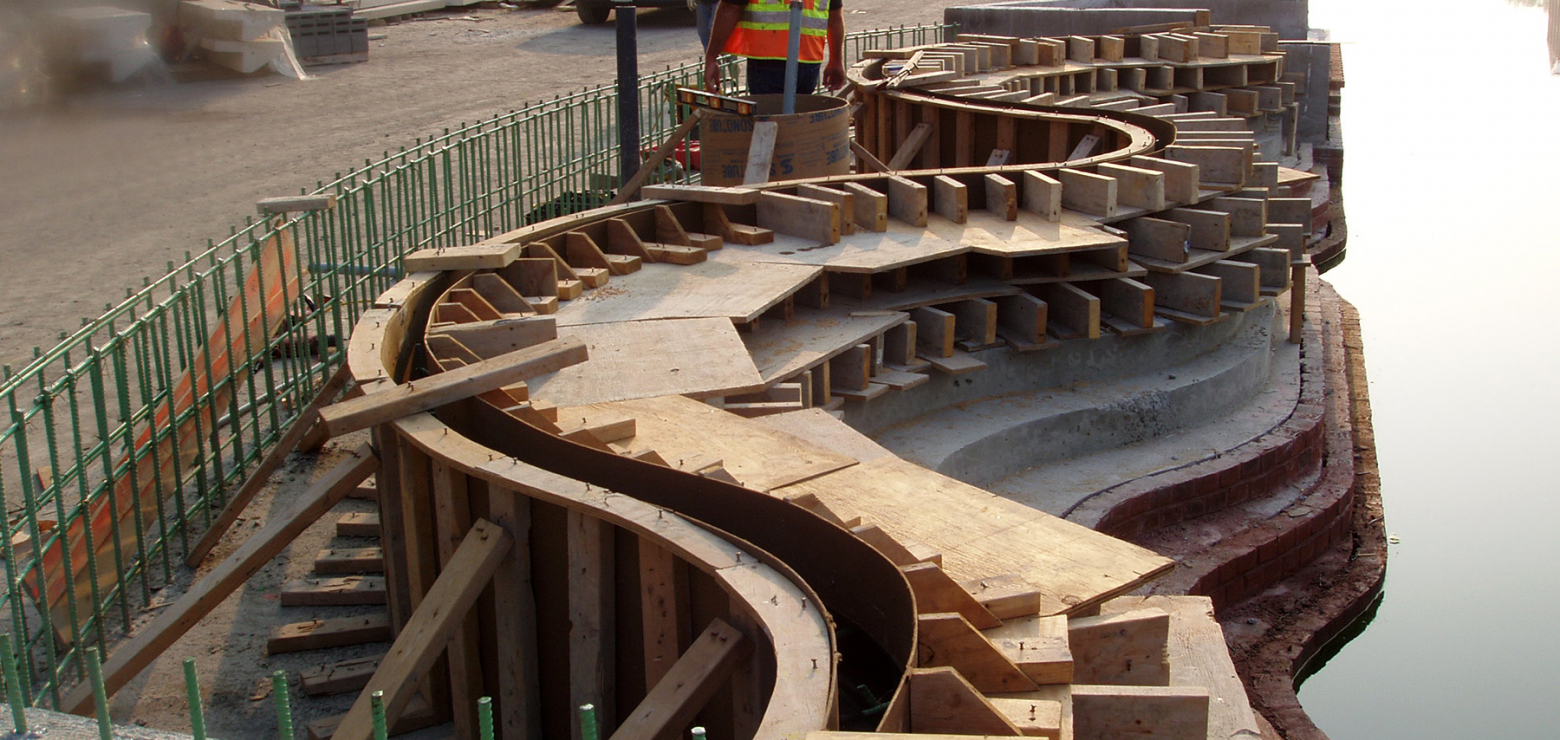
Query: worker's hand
point(834, 76)
point(712, 76)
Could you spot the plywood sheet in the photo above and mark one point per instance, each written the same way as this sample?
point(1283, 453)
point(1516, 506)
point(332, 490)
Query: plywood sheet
point(739, 291)
point(1199, 657)
point(821, 428)
point(781, 349)
point(863, 251)
point(640, 359)
point(759, 456)
point(1030, 234)
point(982, 535)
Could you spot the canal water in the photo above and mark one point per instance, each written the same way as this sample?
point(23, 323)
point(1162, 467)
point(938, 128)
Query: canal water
point(1451, 125)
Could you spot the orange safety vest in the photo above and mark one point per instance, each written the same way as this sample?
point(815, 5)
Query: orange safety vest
point(765, 28)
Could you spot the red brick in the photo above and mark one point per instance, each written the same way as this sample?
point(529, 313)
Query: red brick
point(1230, 476)
point(1267, 552)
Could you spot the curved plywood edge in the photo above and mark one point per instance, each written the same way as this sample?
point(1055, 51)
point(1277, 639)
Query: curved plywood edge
point(788, 613)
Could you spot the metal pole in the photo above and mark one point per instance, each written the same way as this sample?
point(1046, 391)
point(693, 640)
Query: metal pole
point(628, 89)
point(485, 718)
point(279, 691)
point(197, 714)
point(13, 686)
point(99, 694)
point(793, 55)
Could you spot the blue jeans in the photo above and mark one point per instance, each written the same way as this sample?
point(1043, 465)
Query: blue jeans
point(767, 76)
point(705, 13)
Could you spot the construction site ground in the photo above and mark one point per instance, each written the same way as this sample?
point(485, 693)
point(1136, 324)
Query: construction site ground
point(104, 186)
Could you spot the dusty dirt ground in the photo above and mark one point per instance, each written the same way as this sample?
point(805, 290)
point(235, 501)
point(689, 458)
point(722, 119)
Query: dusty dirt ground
point(102, 187)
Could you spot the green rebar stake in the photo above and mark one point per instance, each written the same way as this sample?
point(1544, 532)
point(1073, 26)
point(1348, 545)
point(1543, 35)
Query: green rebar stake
point(13, 686)
point(485, 718)
point(588, 722)
point(279, 692)
point(197, 714)
point(99, 694)
point(698, 733)
point(376, 703)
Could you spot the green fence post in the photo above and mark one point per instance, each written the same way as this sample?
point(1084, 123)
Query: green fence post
point(197, 715)
point(13, 686)
point(279, 691)
point(99, 694)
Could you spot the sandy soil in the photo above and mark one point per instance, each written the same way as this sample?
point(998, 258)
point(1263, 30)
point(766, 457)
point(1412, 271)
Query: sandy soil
point(103, 187)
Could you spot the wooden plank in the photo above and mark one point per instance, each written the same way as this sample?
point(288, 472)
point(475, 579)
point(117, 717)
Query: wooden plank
point(911, 147)
point(946, 639)
point(622, 239)
point(1111, 712)
point(1007, 595)
point(871, 211)
point(935, 591)
point(1210, 229)
point(592, 627)
point(418, 715)
point(899, 344)
point(1225, 165)
point(1248, 216)
point(425, 635)
point(700, 358)
point(1021, 321)
point(341, 560)
point(717, 222)
point(1087, 192)
point(1121, 649)
point(907, 200)
point(975, 322)
point(153, 639)
point(958, 363)
point(1128, 301)
point(1038, 646)
point(1241, 282)
point(338, 678)
point(935, 332)
point(1137, 187)
point(702, 194)
point(1001, 196)
point(951, 198)
point(1186, 292)
point(518, 710)
point(1034, 717)
point(942, 701)
point(453, 518)
point(845, 200)
point(810, 219)
point(445, 388)
point(662, 612)
point(761, 153)
point(342, 591)
point(1070, 311)
point(851, 370)
point(261, 475)
point(500, 294)
point(1170, 241)
point(468, 257)
point(811, 336)
point(1042, 196)
point(689, 685)
point(316, 634)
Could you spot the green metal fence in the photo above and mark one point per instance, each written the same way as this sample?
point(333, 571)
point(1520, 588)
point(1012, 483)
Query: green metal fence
point(141, 423)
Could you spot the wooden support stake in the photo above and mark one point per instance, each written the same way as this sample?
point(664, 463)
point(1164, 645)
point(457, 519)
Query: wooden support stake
point(912, 147)
point(444, 388)
point(689, 685)
point(428, 631)
point(151, 640)
point(1298, 269)
point(649, 166)
point(273, 460)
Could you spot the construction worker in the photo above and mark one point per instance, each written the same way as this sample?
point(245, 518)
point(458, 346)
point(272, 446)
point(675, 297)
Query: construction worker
point(760, 30)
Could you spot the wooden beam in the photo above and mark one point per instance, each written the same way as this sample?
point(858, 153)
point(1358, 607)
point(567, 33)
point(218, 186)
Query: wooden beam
point(941, 701)
point(1071, 312)
point(1248, 216)
point(1001, 197)
point(952, 199)
point(1112, 712)
point(445, 388)
point(1007, 596)
point(912, 147)
point(907, 200)
point(452, 516)
point(1021, 321)
point(1128, 301)
point(802, 217)
point(153, 639)
point(1224, 165)
point(518, 713)
point(1137, 187)
point(427, 633)
point(1034, 717)
point(592, 631)
point(662, 611)
point(1042, 196)
point(936, 591)
point(1186, 293)
point(317, 634)
point(845, 200)
point(1158, 239)
point(471, 257)
point(1038, 646)
point(946, 639)
point(273, 460)
point(934, 331)
point(689, 685)
point(1210, 229)
point(1088, 193)
point(871, 207)
point(1241, 282)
